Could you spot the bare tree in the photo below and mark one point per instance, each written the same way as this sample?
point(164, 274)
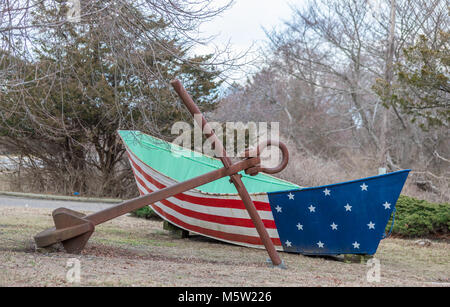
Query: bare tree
point(69, 80)
point(324, 73)
point(344, 46)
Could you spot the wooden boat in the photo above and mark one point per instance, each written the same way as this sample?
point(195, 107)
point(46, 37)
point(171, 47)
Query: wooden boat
point(343, 218)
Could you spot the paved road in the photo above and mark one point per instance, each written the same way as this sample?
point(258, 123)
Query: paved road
point(12, 201)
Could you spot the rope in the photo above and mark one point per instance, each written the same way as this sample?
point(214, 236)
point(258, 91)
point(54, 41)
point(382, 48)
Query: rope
point(392, 225)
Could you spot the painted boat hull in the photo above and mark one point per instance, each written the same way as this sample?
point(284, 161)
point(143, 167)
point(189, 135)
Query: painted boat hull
point(348, 219)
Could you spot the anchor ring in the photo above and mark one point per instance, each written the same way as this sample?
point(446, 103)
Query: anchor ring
point(256, 152)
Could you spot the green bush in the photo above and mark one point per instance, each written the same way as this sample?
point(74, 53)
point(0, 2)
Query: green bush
point(419, 218)
point(146, 213)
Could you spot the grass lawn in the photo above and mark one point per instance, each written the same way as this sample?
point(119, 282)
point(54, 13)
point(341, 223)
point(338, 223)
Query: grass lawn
point(135, 252)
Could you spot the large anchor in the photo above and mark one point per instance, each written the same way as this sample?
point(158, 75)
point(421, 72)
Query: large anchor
point(73, 229)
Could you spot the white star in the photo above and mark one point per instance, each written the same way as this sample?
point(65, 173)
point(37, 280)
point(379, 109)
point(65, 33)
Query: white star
point(278, 208)
point(334, 226)
point(371, 225)
point(327, 192)
point(291, 196)
point(348, 207)
point(300, 226)
point(320, 244)
point(288, 244)
point(387, 205)
point(312, 208)
point(364, 187)
point(355, 245)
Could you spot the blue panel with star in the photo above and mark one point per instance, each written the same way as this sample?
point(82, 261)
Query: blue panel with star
point(343, 218)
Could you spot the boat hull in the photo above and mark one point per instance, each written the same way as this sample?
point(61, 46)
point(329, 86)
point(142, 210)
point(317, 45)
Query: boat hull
point(348, 219)
point(343, 218)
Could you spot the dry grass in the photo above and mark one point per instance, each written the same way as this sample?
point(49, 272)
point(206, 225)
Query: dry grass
point(135, 252)
point(412, 190)
point(4, 182)
point(311, 171)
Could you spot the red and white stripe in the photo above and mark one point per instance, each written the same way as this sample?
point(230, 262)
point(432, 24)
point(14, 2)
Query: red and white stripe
point(222, 217)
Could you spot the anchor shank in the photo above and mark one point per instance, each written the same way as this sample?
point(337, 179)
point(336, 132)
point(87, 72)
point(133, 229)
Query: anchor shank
point(235, 179)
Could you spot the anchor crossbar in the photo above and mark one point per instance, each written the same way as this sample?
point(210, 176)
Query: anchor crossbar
point(66, 229)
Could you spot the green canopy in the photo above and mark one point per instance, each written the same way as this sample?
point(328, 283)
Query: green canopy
point(182, 164)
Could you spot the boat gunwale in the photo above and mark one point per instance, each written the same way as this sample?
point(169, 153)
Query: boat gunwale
point(176, 181)
point(214, 166)
point(345, 182)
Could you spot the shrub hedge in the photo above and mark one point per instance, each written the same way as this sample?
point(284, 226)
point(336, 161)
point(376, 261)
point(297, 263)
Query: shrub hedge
point(146, 213)
point(419, 218)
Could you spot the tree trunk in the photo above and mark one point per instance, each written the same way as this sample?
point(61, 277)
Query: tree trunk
point(388, 75)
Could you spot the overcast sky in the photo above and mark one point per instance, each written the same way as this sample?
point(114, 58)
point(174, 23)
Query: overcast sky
point(242, 23)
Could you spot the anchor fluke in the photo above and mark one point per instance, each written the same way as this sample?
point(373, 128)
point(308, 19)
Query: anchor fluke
point(71, 229)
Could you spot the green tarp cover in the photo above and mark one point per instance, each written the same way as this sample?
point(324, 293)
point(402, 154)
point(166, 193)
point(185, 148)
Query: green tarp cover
point(182, 164)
